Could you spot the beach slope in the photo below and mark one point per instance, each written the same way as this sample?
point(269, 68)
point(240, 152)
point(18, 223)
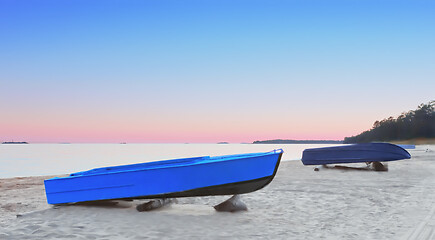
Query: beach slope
point(299, 204)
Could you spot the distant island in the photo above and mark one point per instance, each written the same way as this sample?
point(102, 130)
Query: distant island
point(413, 126)
point(284, 141)
point(15, 143)
point(222, 143)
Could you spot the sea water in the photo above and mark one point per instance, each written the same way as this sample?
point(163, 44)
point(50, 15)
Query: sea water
point(19, 160)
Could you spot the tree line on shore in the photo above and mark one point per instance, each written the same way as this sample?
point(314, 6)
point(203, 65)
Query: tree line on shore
point(419, 123)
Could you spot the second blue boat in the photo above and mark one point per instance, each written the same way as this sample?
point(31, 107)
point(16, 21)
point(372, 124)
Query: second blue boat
point(354, 153)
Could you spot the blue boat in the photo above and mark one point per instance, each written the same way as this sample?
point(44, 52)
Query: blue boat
point(186, 177)
point(406, 146)
point(355, 153)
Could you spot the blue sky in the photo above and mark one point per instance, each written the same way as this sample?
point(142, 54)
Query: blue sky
point(206, 71)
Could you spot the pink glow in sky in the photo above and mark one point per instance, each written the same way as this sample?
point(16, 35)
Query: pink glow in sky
point(209, 129)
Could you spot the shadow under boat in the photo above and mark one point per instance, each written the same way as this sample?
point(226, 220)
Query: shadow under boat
point(374, 166)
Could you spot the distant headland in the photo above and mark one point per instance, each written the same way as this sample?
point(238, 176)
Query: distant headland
point(15, 143)
point(284, 141)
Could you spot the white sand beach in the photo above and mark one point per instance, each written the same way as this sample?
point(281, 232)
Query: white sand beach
point(299, 204)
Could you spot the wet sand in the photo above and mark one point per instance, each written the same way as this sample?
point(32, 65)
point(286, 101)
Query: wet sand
point(299, 204)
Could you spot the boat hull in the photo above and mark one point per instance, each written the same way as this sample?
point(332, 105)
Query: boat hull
point(189, 177)
point(355, 153)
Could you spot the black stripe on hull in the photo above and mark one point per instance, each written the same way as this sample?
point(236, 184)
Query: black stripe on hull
point(225, 189)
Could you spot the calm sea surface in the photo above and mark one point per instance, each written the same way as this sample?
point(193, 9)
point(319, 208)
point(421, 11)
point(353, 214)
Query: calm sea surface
point(55, 159)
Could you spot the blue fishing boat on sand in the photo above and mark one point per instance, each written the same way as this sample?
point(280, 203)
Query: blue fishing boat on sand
point(186, 177)
point(354, 153)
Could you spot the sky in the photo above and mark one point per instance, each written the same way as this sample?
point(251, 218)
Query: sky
point(160, 71)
